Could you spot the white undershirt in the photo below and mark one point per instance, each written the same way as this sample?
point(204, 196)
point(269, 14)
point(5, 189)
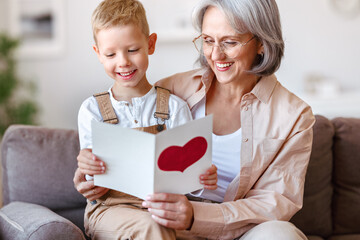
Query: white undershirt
point(225, 156)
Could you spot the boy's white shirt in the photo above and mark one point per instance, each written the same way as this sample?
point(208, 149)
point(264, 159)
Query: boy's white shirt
point(138, 113)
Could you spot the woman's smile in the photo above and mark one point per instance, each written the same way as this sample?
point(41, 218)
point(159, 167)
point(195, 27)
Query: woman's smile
point(223, 66)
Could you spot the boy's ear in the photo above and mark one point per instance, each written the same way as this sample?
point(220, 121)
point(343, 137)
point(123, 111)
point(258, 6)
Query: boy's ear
point(97, 51)
point(152, 43)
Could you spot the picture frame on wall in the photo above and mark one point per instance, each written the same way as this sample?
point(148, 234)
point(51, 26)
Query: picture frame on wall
point(39, 25)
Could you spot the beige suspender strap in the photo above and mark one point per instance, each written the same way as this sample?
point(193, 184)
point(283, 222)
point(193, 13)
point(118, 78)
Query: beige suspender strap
point(106, 109)
point(162, 103)
point(162, 107)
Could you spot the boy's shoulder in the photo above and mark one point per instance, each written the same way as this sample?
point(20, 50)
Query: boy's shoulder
point(176, 99)
point(91, 101)
point(91, 105)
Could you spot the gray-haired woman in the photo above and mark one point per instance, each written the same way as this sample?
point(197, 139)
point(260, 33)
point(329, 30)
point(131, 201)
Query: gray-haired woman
point(262, 133)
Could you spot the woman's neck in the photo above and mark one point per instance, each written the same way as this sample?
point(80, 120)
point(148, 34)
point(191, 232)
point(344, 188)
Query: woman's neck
point(232, 92)
point(223, 102)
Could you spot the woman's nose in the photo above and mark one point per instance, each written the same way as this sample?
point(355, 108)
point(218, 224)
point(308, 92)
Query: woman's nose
point(217, 53)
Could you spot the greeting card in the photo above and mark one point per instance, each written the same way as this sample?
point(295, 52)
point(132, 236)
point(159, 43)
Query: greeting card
point(140, 163)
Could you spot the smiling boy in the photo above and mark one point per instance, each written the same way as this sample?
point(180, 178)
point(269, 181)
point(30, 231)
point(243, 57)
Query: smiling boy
point(122, 45)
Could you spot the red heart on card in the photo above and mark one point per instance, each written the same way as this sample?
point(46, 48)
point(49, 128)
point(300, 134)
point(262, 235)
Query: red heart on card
point(176, 158)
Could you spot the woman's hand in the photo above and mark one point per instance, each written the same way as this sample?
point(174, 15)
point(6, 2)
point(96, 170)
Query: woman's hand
point(209, 179)
point(89, 164)
point(170, 210)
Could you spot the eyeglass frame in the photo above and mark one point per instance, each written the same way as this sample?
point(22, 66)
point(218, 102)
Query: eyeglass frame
point(218, 45)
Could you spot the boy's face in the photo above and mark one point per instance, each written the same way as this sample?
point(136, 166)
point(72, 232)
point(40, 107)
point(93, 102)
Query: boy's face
point(124, 50)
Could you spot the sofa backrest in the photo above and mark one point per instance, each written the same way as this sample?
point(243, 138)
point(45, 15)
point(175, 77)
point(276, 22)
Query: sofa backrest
point(346, 176)
point(315, 216)
point(332, 184)
point(38, 167)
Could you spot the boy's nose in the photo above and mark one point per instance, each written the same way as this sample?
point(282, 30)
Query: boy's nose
point(123, 60)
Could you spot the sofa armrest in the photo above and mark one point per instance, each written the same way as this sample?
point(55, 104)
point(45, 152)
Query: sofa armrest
point(20, 220)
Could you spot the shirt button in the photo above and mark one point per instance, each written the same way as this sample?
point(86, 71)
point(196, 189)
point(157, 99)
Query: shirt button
point(245, 140)
point(127, 104)
point(246, 108)
point(135, 121)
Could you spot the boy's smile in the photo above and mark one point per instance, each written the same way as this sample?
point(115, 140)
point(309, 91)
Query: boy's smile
point(124, 50)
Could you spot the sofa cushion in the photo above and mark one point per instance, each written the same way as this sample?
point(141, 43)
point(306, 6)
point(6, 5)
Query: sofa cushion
point(315, 216)
point(345, 237)
point(346, 203)
point(314, 237)
point(36, 169)
point(38, 166)
point(28, 221)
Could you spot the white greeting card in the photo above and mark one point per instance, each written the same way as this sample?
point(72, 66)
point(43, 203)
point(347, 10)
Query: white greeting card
point(140, 163)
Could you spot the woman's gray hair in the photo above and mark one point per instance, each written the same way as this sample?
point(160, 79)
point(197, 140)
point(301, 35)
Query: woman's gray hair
point(259, 17)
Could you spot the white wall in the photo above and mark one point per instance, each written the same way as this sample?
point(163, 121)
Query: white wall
point(318, 40)
point(3, 15)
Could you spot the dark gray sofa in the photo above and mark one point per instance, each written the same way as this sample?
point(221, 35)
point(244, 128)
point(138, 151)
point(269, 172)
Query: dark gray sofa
point(40, 201)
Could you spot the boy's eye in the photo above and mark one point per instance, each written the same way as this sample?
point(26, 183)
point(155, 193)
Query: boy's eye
point(133, 50)
point(110, 55)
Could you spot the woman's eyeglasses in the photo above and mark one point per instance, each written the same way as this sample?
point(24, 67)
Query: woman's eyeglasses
point(231, 48)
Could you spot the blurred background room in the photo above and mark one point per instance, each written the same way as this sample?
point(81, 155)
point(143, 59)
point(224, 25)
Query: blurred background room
point(55, 56)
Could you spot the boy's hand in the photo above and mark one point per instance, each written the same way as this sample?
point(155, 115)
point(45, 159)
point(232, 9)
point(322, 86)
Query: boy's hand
point(209, 179)
point(89, 164)
point(87, 188)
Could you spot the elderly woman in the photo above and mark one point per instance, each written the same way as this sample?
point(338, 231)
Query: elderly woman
point(262, 133)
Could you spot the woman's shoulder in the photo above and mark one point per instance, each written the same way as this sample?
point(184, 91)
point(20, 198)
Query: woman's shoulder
point(289, 103)
point(183, 84)
point(271, 91)
point(288, 96)
point(180, 79)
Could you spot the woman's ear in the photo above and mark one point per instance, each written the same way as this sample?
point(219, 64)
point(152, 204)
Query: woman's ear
point(152, 43)
point(260, 50)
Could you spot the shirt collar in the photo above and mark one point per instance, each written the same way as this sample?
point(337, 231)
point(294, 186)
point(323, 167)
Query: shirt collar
point(139, 100)
point(262, 90)
point(207, 76)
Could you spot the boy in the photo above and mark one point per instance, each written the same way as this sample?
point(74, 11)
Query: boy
point(122, 44)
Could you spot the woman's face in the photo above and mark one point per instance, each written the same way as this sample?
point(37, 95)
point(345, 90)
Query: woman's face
point(232, 61)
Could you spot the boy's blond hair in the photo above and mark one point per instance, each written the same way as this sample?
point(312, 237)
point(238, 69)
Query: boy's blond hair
point(110, 13)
